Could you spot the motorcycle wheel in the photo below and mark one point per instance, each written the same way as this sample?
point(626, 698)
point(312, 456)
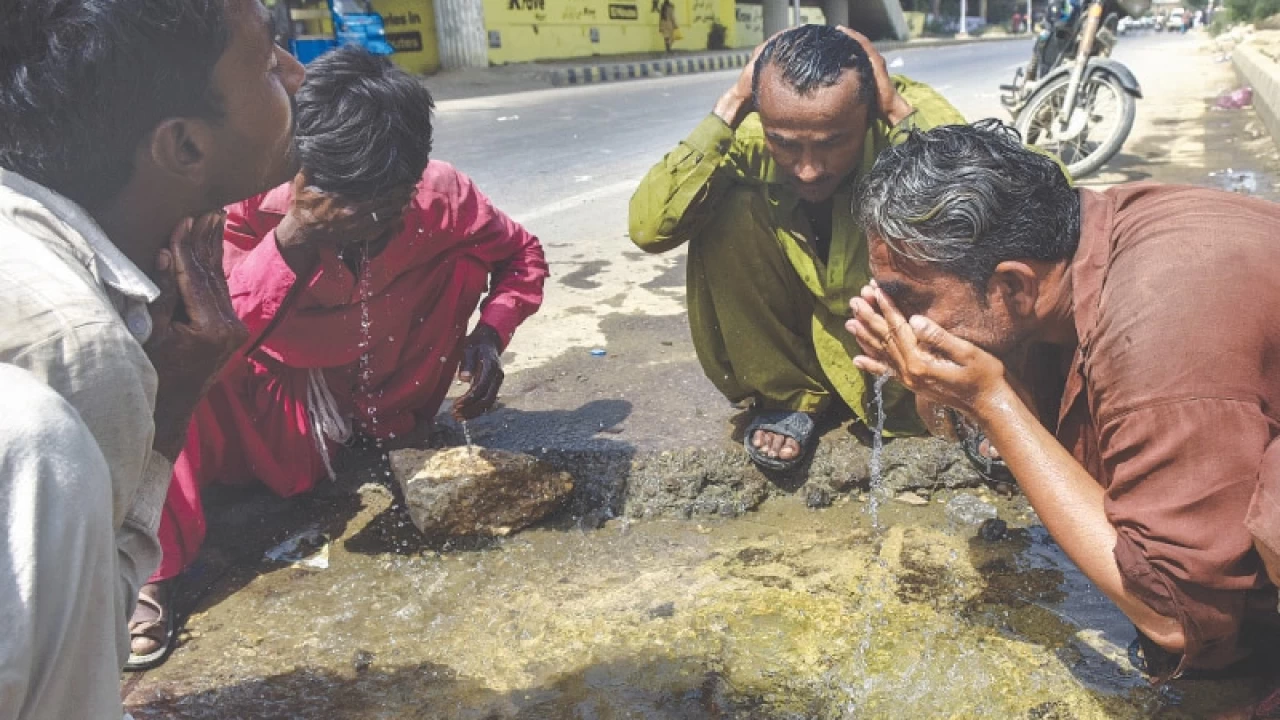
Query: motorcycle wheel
point(1097, 128)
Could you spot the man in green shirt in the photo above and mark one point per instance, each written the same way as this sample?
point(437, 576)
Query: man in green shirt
point(761, 190)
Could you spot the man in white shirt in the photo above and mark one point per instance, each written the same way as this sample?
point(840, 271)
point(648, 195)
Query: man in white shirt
point(48, 458)
point(124, 126)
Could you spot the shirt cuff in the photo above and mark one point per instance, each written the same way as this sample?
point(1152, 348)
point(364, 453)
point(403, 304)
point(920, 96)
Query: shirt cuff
point(503, 319)
point(905, 126)
point(1210, 619)
point(713, 136)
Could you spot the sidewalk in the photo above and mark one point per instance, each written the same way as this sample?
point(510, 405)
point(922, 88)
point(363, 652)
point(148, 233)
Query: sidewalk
point(1257, 58)
point(520, 77)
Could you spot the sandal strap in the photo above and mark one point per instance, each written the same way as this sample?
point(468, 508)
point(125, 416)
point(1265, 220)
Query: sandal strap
point(794, 424)
point(143, 627)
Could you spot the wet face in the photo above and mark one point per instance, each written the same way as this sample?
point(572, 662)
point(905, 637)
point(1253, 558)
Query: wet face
point(256, 80)
point(816, 139)
point(981, 317)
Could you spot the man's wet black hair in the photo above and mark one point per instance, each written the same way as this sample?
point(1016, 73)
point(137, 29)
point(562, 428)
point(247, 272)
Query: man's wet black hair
point(83, 82)
point(968, 197)
point(364, 124)
point(817, 56)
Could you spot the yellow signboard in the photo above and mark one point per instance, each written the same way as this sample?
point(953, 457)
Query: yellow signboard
point(411, 30)
point(524, 30)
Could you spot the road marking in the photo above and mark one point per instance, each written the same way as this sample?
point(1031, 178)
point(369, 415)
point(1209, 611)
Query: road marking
point(574, 201)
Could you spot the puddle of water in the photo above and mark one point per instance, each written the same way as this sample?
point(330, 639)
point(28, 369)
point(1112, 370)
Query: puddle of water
point(1247, 182)
point(787, 613)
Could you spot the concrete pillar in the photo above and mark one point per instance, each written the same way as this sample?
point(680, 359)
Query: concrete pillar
point(878, 19)
point(837, 12)
point(460, 34)
point(777, 17)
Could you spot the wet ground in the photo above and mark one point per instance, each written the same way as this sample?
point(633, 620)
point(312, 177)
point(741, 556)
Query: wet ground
point(788, 612)
point(680, 582)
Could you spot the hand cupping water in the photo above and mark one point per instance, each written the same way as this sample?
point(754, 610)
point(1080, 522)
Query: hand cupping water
point(195, 329)
point(926, 359)
point(482, 367)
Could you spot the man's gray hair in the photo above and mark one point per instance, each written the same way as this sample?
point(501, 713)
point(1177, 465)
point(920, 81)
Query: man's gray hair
point(967, 198)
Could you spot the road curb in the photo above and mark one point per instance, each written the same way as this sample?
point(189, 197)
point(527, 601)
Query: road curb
point(1263, 74)
point(601, 72)
point(613, 72)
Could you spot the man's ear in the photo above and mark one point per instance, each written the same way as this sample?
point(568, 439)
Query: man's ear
point(181, 149)
point(1017, 285)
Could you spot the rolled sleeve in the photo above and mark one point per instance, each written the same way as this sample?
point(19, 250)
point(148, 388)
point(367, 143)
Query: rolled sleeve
point(664, 211)
point(518, 277)
point(1182, 474)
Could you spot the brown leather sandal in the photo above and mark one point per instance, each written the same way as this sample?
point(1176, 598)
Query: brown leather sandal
point(151, 622)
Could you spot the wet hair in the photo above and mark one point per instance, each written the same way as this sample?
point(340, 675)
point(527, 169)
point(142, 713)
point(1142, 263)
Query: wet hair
point(966, 198)
point(817, 56)
point(83, 82)
point(364, 125)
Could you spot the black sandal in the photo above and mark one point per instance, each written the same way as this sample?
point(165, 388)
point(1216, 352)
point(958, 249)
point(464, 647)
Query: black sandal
point(790, 423)
point(993, 470)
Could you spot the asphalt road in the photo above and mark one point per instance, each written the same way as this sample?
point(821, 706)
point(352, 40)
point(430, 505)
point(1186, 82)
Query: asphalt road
point(533, 149)
point(565, 162)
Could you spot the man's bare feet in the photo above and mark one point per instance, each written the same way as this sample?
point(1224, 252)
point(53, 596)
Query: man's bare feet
point(776, 445)
point(779, 439)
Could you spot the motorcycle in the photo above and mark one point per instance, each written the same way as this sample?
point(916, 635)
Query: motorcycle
point(1072, 99)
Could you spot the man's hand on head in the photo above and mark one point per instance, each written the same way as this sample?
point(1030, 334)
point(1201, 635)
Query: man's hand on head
point(482, 367)
point(195, 329)
point(317, 219)
point(892, 106)
point(737, 101)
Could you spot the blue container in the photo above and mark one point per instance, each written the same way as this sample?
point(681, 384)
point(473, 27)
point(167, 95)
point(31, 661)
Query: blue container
point(307, 49)
point(363, 30)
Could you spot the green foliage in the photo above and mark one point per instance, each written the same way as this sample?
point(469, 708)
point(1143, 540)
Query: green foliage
point(936, 26)
point(1250, 10)
point(1221, 22)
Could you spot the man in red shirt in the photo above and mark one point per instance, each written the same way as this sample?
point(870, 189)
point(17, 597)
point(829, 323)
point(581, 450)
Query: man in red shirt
point(357, 281)
point(1119, 348)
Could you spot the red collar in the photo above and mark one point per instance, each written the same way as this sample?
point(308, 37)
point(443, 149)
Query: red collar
point(276, 201)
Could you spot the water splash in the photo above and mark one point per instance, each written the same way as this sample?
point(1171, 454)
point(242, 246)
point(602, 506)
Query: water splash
point(877, 489)
point(466, 434)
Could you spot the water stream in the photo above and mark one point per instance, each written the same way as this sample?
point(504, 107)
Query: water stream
point(366, 333)
point(466, 434)
point(878, 490)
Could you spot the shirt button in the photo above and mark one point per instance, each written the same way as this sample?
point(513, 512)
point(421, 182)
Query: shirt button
point(139, 325)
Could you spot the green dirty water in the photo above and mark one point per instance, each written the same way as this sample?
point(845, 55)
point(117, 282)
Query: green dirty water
point(785, 613)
